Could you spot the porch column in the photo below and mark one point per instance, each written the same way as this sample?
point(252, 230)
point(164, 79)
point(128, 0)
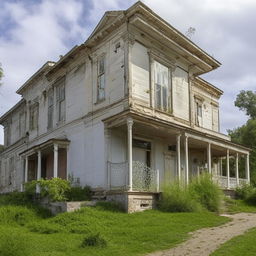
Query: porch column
point(129, 150)
point(209, 158)
point(26, 170)
point(186, 159)
point(38, 176)
point(247, 168)
point(178, 156)
point(39, 158)
point(228, 174)
point(237, 170)
point(55, 160)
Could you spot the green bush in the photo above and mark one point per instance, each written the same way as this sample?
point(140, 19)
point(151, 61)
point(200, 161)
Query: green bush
point(44, 228)
point(94, 240)
point(79, 194)
point(244, 192)
point(177, 198)
point(55, 189)
point(206, 192)
point(110, 206)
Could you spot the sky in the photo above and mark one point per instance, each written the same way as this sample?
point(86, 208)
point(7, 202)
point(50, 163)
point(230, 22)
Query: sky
point(35, 31)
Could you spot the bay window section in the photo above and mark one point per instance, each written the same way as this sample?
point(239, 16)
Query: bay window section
point(162, 87)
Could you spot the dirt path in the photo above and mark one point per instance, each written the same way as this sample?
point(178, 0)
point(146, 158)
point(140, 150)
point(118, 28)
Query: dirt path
point(205, 241)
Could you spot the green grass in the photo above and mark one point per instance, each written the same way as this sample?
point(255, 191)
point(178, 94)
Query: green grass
point(24, 229)
point(236, 206)
point(240, 245)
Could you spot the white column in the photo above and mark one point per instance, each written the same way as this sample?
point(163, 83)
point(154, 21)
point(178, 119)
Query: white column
point(38, 176)
point(26, 170)
point(209, 158)
point(228, 174)
point(247, 168)
point(55, 160)
point(39, 158)
point(237, 170)
point(129, 149)
point(221, 171)
point(178, 155)
point(186, 159)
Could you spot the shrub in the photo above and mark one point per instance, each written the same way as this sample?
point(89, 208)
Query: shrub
point(94, 240)
point(55, 189)
point(79, 194)
point(177, 198)
point(206, 192)
point(244, 192)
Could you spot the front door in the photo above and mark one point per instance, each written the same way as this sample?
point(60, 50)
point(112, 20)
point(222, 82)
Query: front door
point(170, 167)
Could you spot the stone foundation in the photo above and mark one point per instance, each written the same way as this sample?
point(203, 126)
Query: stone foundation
point(134, 201)
point(60, 207)
point(230, 193)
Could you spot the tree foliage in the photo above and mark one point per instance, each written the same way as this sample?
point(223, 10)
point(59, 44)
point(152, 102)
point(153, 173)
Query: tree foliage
point(246, 101)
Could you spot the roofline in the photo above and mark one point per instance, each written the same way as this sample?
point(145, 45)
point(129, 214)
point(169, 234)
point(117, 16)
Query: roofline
point(3, 117)
point(201, 80)
point(35, 75)
point(181, 35)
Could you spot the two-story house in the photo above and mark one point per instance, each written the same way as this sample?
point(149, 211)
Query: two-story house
point(124, 112)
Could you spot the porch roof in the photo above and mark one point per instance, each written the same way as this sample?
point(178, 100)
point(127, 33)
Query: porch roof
point(60, 142)
point(121, 118)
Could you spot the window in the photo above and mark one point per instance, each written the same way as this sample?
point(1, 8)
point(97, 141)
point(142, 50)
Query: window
point(60, 99)
point(22, 124)
point(33, 117)
point(101, 79)
point(7, 133)
point(198, 112)
point(162, 83)
point(50, 109)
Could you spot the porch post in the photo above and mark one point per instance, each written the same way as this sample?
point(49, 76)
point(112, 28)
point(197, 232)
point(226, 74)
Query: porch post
point(129, 149)
point(26, 170)
point(247, 168)
point(209, 158)
point(186, 159)
point(178, 156)
point(237, 170)
point(55, 160)
point(228, 174)
point(39, 165)
point(38, 176)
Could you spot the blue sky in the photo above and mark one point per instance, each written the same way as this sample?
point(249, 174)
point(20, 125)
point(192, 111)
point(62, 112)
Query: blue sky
point(34, 31)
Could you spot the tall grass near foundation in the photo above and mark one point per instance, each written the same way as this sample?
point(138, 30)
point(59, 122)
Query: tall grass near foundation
point(200, 194)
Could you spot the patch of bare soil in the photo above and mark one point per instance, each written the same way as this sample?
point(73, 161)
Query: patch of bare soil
point(205, 241)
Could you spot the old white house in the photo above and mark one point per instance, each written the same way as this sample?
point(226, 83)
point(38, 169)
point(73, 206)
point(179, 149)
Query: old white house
point(124, 112)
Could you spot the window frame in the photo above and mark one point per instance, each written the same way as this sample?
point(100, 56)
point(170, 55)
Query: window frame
point(169, 87)
point(60, 102)
point(50, 107)
point(33, 120)
point(100, 74)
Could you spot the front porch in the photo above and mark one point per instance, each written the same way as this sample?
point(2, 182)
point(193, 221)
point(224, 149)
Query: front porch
point(47, 160)
point(154, 153)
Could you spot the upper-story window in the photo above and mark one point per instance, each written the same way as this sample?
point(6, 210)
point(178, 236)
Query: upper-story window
point(7, 134)
point(60, 100)
point(22, 124)
point(50, 109)
point(33, 117)
point(162, 86)
point(101, 79)
point(198, 112)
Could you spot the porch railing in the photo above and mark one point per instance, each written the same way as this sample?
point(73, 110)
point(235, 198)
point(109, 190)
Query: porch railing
point(144, 179)
point(222, 181)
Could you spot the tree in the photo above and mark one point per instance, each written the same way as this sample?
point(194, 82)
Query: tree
point(246, 101)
